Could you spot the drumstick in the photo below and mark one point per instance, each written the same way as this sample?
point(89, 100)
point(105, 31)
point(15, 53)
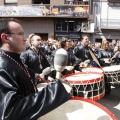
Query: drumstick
point(94, 57)
point(60, 61)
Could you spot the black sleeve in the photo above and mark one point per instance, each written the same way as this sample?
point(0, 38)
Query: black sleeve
point(15, 106)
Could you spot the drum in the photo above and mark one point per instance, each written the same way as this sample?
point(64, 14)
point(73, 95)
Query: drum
point(79, 109)
point(93, 70)
point(67, 86)
point(87, 85)
point(40, 86)
point(112, 73)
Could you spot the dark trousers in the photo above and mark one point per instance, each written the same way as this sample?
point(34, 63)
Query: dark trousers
point(107, 85)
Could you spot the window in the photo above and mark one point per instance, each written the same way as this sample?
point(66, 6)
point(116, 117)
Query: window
point(67, 25)
point(64, 25)
point(71, 26)
point(41, 1)
point(10, 1)
point(58, 25)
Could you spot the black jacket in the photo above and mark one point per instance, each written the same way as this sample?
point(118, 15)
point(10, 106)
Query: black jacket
point(19, 100)
point(82, 52)
point(104, 54)
point(32, 60)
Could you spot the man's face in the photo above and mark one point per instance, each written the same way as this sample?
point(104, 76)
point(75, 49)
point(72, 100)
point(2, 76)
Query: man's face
point(114, 42)
point(36, 42)
point(85, 41)
point(16, 38)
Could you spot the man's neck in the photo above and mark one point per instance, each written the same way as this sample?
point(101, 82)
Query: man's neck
point(35, 48)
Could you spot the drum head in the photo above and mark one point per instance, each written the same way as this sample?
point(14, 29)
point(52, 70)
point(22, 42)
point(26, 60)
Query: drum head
point(112, 68)
point(83, 78)
point(68, 87)
point(40, 86)
point(93, 70)
point(79, 109)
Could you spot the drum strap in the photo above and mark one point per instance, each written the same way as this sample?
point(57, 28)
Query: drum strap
point(94, 57)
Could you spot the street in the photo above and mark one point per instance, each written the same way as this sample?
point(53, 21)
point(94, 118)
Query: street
point(112, 102)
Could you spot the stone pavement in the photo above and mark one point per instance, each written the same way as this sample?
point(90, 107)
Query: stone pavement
point(112, 102)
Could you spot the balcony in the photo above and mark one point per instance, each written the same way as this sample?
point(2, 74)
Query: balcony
point(70, 11)
point(110, 24)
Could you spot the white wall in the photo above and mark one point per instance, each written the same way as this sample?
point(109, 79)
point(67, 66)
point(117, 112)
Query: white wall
point(104, 14)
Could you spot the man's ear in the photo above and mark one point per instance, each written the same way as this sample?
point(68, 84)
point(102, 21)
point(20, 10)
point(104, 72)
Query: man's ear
point(4, 38)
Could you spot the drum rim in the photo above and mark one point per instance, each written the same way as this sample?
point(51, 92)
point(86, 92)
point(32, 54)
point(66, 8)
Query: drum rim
point(85, 81)
point(96, 104)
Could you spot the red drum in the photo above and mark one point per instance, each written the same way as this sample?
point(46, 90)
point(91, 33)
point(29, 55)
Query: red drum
point(93, 70)
point(79, 109)
point(87, 85)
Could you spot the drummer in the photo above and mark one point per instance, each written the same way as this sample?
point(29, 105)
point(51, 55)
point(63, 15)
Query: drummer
point(82, 52)
point(19, 97)
point(105, 55)
point(73, 61)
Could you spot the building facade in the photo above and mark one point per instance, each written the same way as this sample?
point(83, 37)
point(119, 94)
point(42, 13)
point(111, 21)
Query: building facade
point(106, 20)
point(50, 19)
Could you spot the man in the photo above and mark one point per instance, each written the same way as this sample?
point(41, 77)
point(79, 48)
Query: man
point(33, 57)
point(19, 97)
point(82, 51)
point(97, 48)
point(113, 44)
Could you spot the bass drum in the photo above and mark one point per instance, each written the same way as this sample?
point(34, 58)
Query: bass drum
point(79, 109)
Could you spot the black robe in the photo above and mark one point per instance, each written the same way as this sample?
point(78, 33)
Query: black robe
point(18, 98)
point(33, 60)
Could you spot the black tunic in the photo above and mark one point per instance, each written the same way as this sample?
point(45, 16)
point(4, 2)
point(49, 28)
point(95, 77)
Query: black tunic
point(33, 60)
point(18, 98)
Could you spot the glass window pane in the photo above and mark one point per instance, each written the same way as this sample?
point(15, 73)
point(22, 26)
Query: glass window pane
point(70, 25)
point(64, 25)
point(58, 26)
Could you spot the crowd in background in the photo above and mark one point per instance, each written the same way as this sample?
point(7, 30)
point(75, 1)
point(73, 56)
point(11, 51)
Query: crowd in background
point(50, 46)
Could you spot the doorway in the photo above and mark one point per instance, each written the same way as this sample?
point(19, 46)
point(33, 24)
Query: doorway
point(44, 36)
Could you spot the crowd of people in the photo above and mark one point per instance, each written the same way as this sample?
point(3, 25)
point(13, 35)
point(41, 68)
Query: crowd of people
point(22, 61)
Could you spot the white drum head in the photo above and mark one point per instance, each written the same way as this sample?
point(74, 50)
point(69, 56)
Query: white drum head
point(111, 68)
point(79, 109)
point(93, 70)
point(66, 85)
point(107, 60)
point(40, 86)
point(79, 78)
